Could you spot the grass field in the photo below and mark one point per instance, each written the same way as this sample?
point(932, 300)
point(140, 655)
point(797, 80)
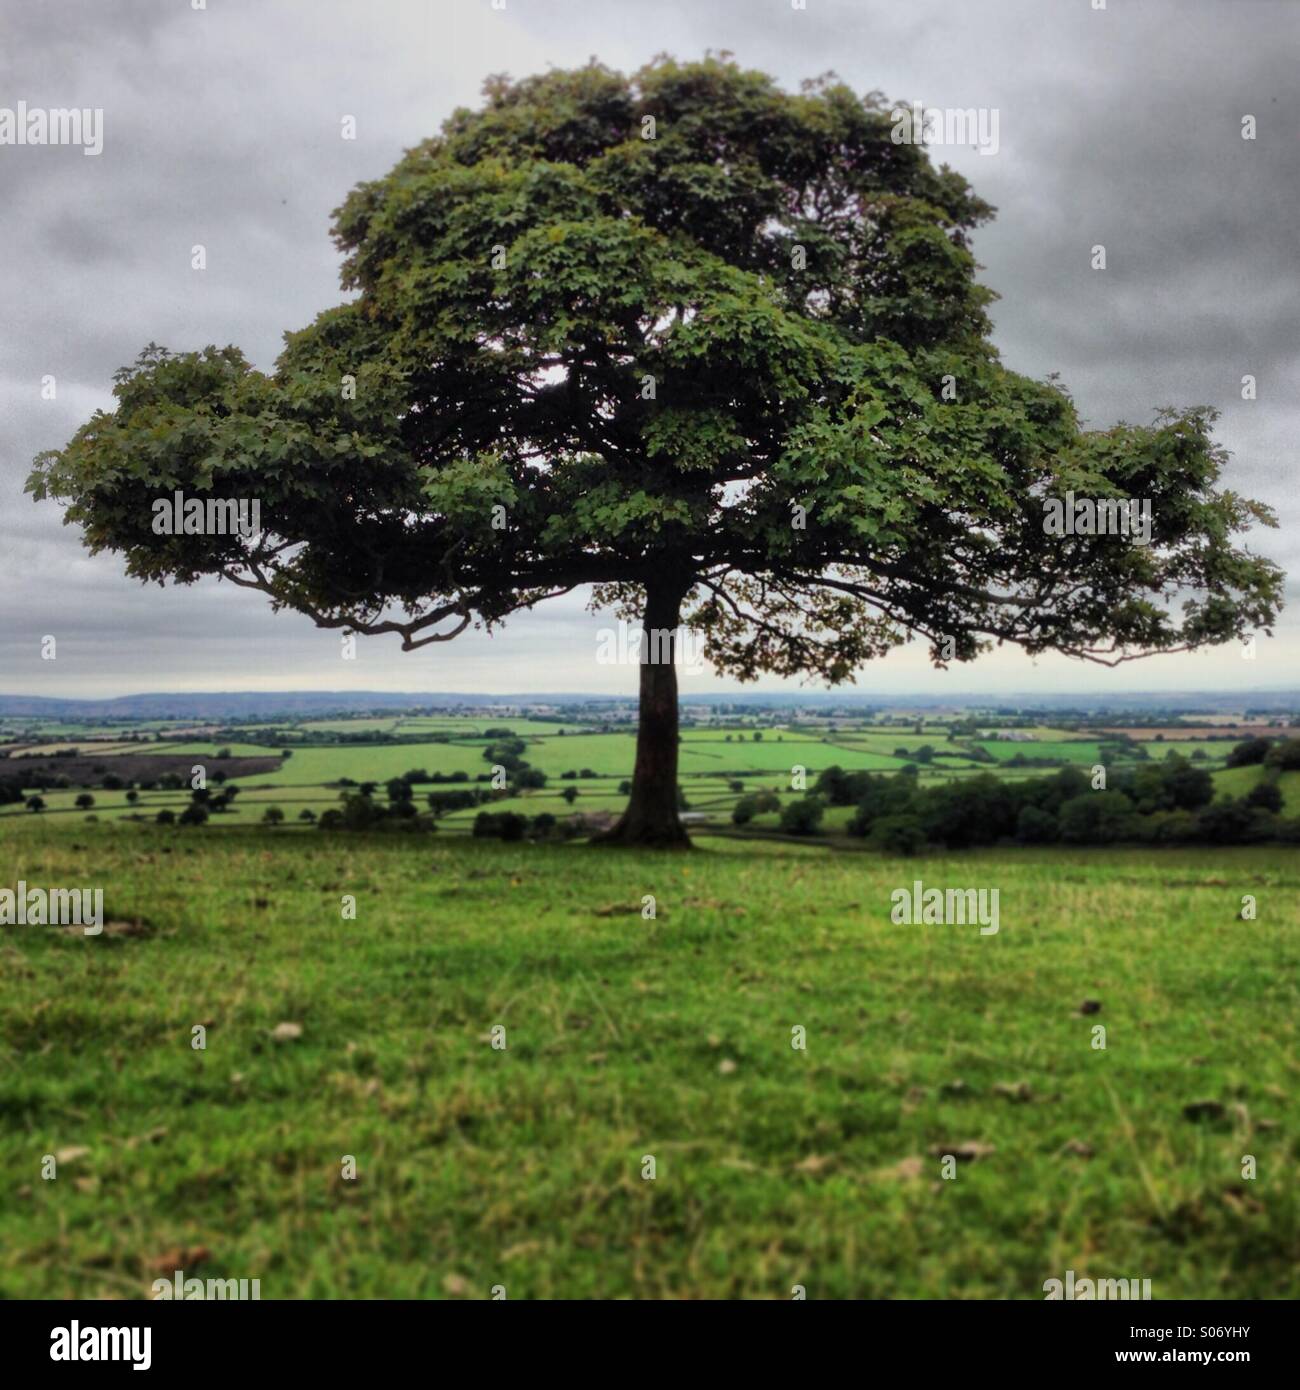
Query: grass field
point(1070, 750)
point(1237, 781)
point(629, 1037)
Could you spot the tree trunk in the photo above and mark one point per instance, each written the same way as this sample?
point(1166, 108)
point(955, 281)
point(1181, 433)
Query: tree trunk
point(651, 818)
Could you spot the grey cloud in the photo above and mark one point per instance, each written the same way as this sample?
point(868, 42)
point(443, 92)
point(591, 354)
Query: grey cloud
point(222, 127)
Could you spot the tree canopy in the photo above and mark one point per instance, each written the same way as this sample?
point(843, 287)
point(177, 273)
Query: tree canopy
point(694, 341)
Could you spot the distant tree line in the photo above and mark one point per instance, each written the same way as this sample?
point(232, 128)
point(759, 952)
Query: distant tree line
point(1170, 802)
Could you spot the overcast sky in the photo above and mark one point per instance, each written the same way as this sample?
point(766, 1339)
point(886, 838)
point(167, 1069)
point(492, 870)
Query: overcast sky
point(222, 126)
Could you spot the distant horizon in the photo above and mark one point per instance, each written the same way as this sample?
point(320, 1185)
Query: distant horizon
point(849, 696)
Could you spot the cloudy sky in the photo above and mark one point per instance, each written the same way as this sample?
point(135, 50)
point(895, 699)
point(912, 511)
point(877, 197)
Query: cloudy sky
point(222, 127)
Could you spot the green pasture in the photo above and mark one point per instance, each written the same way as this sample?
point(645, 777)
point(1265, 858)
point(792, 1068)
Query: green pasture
point(629, 1039)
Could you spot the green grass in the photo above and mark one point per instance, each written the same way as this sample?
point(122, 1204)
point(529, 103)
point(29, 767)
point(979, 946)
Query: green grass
point(888, 742)
point(461, 724)
point(376, 763)
point(1072, 750)
point(1237, 781)
point(630, 1037)
point(1215, 750)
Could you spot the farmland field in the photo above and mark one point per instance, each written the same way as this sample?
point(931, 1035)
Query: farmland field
point(1075, 751)
point(628, 1037)
point(711, 758)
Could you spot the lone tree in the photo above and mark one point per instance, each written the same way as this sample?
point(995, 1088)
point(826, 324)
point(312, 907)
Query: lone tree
point(714, 349)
